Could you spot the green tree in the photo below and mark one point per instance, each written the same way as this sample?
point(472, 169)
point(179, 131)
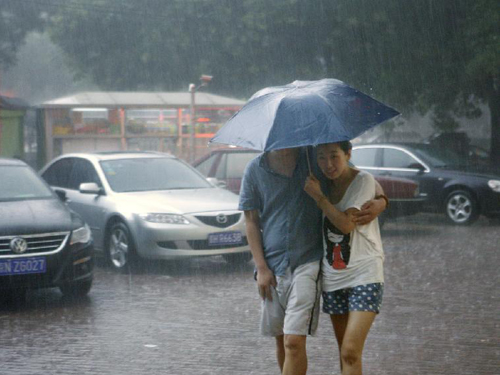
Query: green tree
point(421, 56)
point(17, 18)
point(424, 55)
point(40, 72)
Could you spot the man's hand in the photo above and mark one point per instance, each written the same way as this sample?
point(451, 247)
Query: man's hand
point(369, 211)
point(265, 279)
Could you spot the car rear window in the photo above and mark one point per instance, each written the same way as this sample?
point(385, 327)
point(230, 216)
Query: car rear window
point(364, 157)
point(236, 163)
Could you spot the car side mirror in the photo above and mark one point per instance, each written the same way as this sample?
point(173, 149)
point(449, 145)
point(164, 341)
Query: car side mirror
point(90, 188)
point(418, 166)
point(217, 182)
point(61, 194)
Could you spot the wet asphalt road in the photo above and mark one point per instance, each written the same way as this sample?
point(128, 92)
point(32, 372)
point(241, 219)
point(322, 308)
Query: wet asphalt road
point(441, 315)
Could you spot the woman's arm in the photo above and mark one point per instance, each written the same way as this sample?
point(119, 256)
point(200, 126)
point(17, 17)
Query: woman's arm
point(342, 220)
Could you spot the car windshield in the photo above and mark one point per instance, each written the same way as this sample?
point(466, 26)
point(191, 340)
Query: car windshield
point(21, 183)
point(439, 157)
point(147, 174)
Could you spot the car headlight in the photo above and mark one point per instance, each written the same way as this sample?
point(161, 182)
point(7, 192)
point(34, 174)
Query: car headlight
point(164, 218)
point(81, 235)
point(494, 185)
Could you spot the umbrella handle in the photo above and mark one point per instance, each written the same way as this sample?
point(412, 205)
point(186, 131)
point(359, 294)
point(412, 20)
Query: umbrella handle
point(308, 161)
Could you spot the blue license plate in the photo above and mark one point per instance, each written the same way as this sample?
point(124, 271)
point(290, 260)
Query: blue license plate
point(225, 238)
point(23, 266)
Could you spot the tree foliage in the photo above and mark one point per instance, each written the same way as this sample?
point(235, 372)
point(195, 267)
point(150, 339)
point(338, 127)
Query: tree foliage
point(17, 18)
point(421, 55)
point(40, 72)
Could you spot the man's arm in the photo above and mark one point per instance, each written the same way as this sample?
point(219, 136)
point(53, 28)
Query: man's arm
point(265, 277)
point(371, 209)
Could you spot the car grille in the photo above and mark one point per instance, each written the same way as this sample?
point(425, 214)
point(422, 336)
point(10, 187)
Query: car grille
point(39, 243)
point(201, 245)
point(167, 244)
point(212, 220)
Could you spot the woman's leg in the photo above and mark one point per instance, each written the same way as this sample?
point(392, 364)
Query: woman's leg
point(339, 323)
point(353, 341)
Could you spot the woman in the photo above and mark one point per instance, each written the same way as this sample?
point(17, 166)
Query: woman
point(352, 266)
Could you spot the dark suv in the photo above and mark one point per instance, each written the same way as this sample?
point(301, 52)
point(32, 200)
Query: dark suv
point(42, 243)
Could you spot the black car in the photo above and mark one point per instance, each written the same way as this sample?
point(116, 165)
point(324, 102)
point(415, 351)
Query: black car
point(453, 185)
point(42, 243)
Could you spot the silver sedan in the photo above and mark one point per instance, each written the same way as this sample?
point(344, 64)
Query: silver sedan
point(149, 205)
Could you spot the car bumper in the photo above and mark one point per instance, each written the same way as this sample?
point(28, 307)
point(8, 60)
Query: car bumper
point(160, 241)
point(74, 263)
point(490, 205)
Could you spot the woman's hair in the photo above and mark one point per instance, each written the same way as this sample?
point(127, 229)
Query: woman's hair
point(345, 146)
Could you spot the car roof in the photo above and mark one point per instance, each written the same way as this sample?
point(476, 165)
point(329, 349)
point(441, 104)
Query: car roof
point(12, 162)
point(234, 149)
point(224, 150)
point(116, 155)
point(397, 144)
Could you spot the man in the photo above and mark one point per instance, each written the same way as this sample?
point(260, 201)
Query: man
point(284, 233)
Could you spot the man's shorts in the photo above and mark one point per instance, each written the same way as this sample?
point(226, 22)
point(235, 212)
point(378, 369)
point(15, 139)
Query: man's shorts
point(294, 309)
point(360, 298)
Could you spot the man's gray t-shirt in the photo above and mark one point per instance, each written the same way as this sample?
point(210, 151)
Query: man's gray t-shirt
point(290, 219)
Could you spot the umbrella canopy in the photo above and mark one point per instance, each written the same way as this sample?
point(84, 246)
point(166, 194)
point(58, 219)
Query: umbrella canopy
point(303, 113)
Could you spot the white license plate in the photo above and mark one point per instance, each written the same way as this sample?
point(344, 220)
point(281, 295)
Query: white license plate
point(23, 266)
point(225, 238)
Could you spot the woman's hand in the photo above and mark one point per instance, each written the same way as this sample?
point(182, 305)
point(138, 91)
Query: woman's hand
point(313, 188)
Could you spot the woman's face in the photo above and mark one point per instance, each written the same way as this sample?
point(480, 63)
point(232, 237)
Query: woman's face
point(332, 160)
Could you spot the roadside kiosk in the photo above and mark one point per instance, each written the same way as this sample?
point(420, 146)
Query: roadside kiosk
point(146, 121)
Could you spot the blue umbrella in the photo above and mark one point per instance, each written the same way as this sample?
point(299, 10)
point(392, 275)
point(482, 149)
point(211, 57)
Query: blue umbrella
point(303, 113)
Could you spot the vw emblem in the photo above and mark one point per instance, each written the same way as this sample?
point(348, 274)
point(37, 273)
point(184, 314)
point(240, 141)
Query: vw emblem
point(221, 219)
point(18, 245)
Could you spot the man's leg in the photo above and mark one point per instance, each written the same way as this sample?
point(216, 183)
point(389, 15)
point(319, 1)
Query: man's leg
point(295, 355)
point(272, 321)
point(301, 316)
point(280, 351)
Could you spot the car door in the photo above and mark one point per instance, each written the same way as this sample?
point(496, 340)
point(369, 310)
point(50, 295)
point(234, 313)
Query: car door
point(89, 206)
point(367, 158)
point(400, 162)
point(236, 163)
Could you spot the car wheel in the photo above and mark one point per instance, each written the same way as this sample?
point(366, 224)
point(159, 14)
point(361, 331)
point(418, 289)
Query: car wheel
point(77, 289)
point(120, 250)
point(238, 258)
point(461, 208)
